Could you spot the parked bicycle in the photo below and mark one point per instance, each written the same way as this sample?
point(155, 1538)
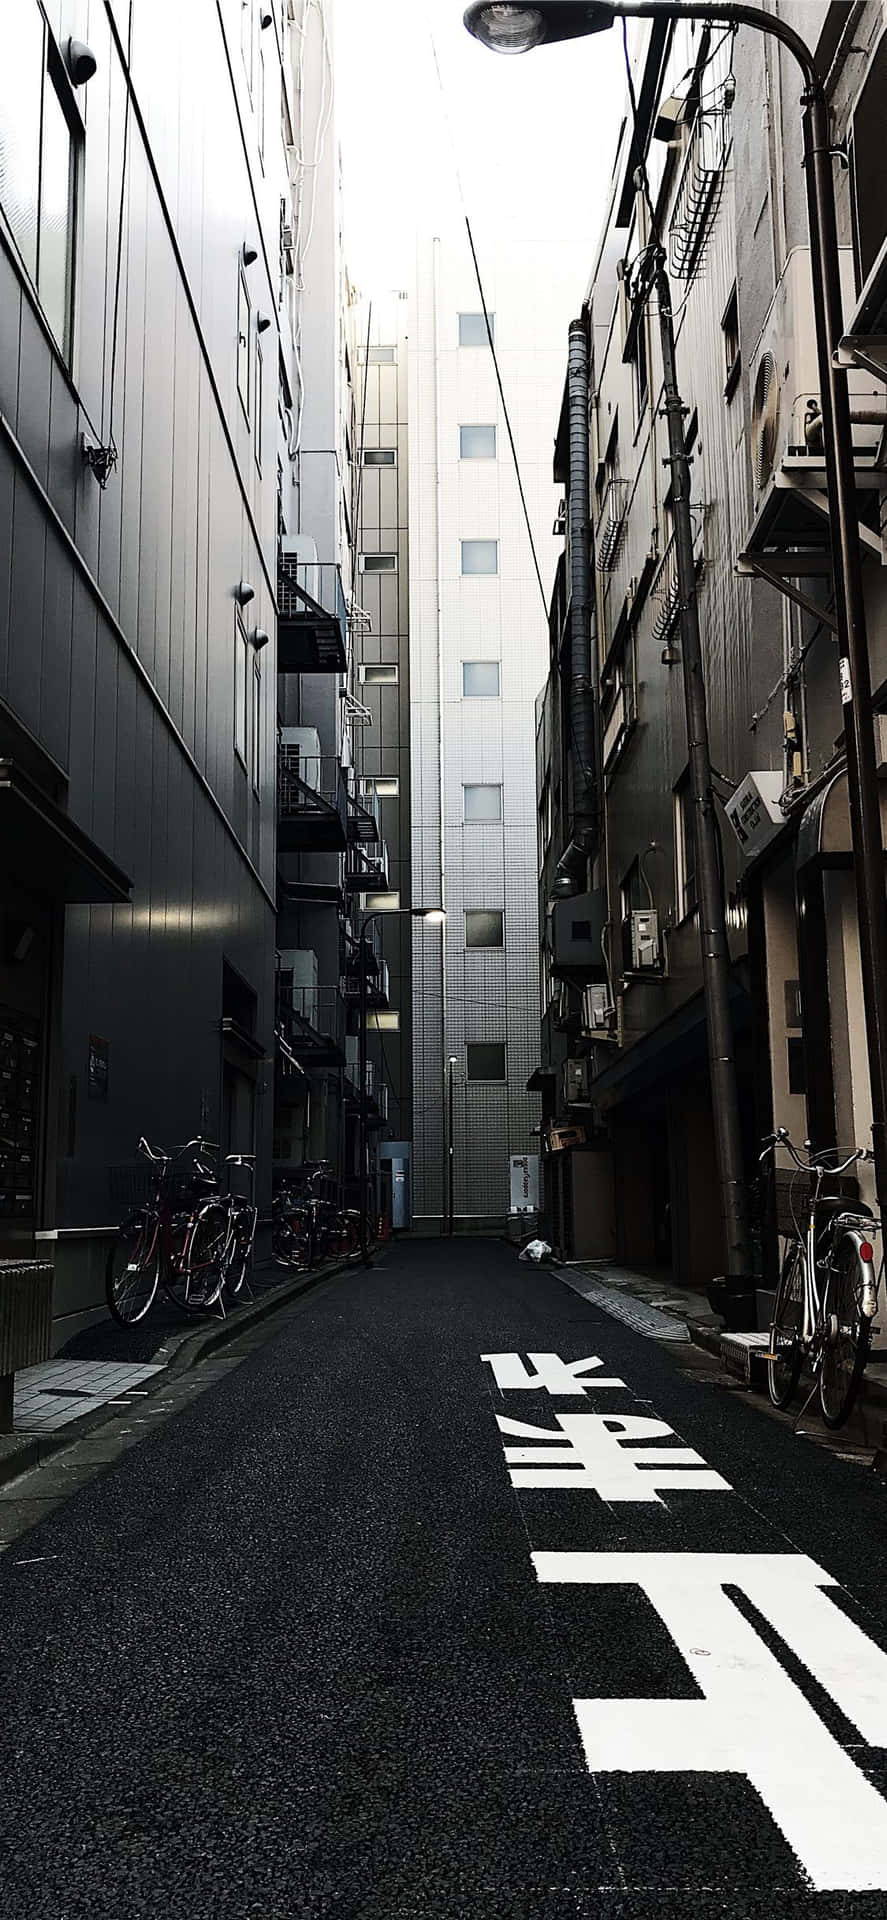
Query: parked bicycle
point(309, 1228)
point(171, 1240)
point(827, 1293)
point(232, 1217)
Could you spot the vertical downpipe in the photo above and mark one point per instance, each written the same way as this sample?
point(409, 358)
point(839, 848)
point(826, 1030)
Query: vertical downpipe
point(441, 741)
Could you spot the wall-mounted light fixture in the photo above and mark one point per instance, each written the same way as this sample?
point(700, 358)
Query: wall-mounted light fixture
point(249, 253)
point(263, 322)
point(244, 593)
point(80, 61)
point(266, 18)
point(260, 638)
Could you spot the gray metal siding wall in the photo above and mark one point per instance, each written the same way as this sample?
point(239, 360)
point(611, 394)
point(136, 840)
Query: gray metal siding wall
point(384, 748)
point(122, 663)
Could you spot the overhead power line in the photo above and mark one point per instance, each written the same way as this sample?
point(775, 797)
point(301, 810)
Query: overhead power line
point(499, 382)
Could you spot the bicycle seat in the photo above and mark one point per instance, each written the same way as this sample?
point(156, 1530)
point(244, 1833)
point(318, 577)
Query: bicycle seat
point(240, 1160)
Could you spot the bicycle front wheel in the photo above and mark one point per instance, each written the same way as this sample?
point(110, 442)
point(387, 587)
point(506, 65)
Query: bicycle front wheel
point(133, 1269)
point(240, 1249)
point(198, 1276)
point(786, 1331)
point(846, 1334)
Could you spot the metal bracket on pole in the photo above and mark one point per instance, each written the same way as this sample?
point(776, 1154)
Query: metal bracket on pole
point(868, 351)
point(750, 563)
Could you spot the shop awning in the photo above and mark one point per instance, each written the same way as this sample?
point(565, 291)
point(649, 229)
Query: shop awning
point(46, 853)
point(676, 1044)
point(536, 1082)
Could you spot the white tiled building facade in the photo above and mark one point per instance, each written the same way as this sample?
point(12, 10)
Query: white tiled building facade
point(479, 652)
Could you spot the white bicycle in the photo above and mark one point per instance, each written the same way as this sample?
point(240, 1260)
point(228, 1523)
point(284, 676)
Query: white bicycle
point(827, 1294)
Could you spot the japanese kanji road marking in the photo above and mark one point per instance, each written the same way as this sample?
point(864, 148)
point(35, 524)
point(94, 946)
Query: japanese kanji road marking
point(752, 1719)
point(588, 1450)
point(551, 1374)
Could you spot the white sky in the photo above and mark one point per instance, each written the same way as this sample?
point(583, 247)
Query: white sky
point(535, 136)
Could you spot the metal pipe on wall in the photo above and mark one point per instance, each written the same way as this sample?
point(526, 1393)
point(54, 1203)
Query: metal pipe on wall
point(583, 706)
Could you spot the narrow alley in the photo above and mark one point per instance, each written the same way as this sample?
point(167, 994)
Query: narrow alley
point(453, 1596)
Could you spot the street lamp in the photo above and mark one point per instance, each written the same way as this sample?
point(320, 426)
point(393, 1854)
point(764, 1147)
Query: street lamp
point(433, 917)
point(452, 1062)
point(518, 28)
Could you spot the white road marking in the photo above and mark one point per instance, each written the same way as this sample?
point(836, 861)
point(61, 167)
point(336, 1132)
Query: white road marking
point(588, 1452)
point(550, 1374)
point(752, 1718)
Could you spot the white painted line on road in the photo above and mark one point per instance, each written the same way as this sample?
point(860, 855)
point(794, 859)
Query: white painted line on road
point(753, 1719)
point(550, 1374)
point(588, 1451)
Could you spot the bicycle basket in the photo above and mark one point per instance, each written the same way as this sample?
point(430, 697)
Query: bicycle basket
point(792, 1191)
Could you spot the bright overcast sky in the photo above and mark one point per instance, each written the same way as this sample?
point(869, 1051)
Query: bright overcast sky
point(535, 136)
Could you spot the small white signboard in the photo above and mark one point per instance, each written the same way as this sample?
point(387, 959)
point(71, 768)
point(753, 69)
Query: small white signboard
point(524, 1182)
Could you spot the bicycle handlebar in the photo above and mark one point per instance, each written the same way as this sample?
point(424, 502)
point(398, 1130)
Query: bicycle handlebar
point(159, 1157)
point(814, 1162)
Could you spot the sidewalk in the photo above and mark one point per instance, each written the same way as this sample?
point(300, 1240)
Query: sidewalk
point(643, 1302)
point(104, 1366)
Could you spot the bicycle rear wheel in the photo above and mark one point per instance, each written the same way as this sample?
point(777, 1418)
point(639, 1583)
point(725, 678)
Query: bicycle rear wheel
point(132, 1271)
point(198, 1276)
point(847, 1334)
point(786, 1348)
point(240, 1249)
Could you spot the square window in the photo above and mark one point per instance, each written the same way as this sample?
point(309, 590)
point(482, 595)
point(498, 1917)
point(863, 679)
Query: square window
point(40, 137)
point(482, 803)
point(243, 343)
point(730, 330)
point(378, 563)
point(480, 556)
point(685, 848)
point(477, 443)
point(257, 726)
point(260, 396)
point(241, 690)
point(484, 928)
point(486, 1060)
point(380, 457)
point(480, 679)
point(383, 675)
point(473, 329)
point(385, 786)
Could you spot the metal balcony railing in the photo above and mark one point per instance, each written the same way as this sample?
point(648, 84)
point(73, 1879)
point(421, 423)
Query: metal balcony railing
point(312, 802)
point(665, 593)
point(310, 1026)
point(611, 524)
point(364, 821)
point(699, 191)
point(312, 616)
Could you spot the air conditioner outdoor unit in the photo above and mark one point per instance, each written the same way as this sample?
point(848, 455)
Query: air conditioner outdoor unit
point(575, 1082)
point(786, 389)
point(641, 950)
point(596, 1008)
point(300, 752)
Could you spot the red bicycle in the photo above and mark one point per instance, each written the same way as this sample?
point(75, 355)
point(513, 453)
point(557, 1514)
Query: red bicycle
point(172, 1241)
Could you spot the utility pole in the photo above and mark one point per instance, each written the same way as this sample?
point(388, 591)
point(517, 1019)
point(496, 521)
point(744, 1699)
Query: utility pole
point(451, 1147)
point(740, 1299)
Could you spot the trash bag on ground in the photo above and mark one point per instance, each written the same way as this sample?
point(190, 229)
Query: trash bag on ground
point(536, 1251)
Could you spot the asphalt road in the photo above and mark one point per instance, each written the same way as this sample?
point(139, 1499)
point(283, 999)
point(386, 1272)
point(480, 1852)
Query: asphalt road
point(292, 1655)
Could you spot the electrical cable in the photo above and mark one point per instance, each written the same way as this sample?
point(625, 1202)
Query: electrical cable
point(480, 288)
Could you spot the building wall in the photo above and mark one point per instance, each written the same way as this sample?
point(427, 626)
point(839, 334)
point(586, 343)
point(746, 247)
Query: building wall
point(466, 996)
point(771, 678)
point(383, 747)
point(117, 631)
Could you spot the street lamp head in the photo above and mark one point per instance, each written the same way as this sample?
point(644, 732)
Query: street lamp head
point(435, 916)
point(517, 29)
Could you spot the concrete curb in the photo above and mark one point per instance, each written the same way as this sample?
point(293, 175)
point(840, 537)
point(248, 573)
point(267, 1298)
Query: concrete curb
point(20, 1452)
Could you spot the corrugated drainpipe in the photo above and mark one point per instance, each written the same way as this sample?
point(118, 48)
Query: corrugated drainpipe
point(585, 786)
